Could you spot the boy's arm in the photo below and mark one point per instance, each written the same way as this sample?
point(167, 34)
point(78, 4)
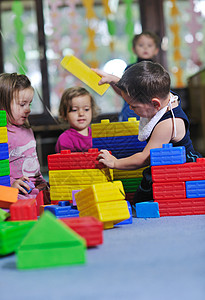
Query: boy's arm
point(161, 134)
point(108, 78)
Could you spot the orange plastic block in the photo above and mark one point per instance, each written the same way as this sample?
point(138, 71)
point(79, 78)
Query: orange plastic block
point(24, 210)
point(8, 196)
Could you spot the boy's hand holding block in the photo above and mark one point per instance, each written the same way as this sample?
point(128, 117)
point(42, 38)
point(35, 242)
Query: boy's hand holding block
point(84, 73)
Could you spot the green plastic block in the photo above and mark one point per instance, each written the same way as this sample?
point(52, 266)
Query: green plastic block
point(11, 235)
point(3, 215)
point(4, 167)
point(131, 184)
point(3, 120)
point(50, 243)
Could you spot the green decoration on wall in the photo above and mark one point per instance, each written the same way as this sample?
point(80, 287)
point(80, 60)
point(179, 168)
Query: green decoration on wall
point(129, 28)
point(111, 27)
point(18, 9)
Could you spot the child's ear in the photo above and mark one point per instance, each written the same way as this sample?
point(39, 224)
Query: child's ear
point(156, 51)
point(156, 103)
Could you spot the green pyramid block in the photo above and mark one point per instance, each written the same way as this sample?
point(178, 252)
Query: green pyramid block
point(11, 235)
point(50, 243)
point(3, 215)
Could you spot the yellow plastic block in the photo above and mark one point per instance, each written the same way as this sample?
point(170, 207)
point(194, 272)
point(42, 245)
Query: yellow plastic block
point(109, 213)
point(122, 174)
point(107, 129)
point(82, 176)
point(101, 192)
point(84, 73)
point(3, 135)
point(8, 196)
point(64, 192)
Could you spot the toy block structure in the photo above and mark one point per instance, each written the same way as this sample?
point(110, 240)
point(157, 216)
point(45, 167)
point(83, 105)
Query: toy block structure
point(24, 210)
point(104, 201)
point(50, 243)
point(11, 235)
point(84, 73)
point(147, 210)
point(179, 188)
point(4, 151)
point(75, 171)
point(62, 210)
point(121, 138)
point(88, 227)
point(8, 196)
point(167, 155)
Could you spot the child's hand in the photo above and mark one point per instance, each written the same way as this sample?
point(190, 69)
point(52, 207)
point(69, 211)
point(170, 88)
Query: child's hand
point(107, 159)
point(21, 185)
point(106, 78)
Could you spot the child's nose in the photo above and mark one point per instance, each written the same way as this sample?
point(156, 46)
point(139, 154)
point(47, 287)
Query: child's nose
point(81, 111)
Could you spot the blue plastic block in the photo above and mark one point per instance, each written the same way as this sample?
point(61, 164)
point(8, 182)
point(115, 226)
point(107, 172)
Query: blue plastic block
point(5, 180)
point(195, 189)
point(147, 209)
point(117, 143)
point(128, 221)
point(4, 151)
point(65, 211)
point(168, 155)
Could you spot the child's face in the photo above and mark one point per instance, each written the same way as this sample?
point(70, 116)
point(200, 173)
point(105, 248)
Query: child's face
point(144, 110)
point(145, 47)
point(80, 115)
point(20, 106)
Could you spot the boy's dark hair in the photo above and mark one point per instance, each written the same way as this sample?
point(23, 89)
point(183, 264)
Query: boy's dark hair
point(66, 101)
point(149, 34)
point(11, 83)
point(144, 81)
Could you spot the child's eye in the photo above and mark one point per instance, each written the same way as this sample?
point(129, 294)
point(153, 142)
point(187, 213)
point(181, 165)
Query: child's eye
point(87, 108)
point(73, 109)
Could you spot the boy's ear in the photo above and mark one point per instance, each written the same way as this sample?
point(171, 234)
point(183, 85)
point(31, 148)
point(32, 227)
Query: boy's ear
point(156, 103)
point(156, 51)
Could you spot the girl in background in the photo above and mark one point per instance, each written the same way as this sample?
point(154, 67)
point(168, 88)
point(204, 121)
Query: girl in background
point(16, 95)
point(77, 108)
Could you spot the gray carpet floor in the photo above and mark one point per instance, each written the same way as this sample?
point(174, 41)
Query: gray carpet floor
point(159, 259)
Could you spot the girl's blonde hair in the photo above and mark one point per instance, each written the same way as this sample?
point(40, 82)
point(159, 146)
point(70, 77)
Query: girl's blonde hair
point(11, 83)
point(66, 101)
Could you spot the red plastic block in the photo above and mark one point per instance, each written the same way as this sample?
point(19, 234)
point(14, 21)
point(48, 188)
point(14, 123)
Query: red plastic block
point(88, 227)
point(181, 172)
point(23, 210)
point(180, 207)
point(67, 160)
point(170, 190)
point(39, 202)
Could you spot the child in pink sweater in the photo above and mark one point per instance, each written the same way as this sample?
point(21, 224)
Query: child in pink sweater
point(77, 108)
point(16, 95)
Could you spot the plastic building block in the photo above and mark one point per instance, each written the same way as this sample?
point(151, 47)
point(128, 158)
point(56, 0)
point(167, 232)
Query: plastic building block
point(73, 196)
point(104, 202)
point(4, 167)
point(84, 73)
point(69, 177)
point(128, 221)
point(107, 129)
point(24, 210)
point(39, 202)
point(3, 215)
point(167, 155)
point(31, 185)
point(64, 192)
point(11, 235)
point(147, 210)
point(195, 189)
point(5, 180)
point(3, 135)
point(50, 243)
point(182, 172)
point(67, 160)
point(4, 151)
point(88, 227)
point(120, 174)
point(8, 195)
point(131, 184)
point(169, 190)
point(181, 207)
point(3, 120)
point(64, 211)
point(96, 193)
